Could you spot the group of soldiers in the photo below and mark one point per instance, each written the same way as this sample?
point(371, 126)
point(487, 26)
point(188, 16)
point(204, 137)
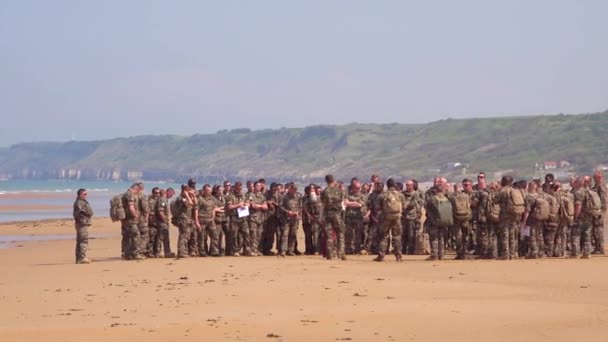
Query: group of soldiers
point(496, 220)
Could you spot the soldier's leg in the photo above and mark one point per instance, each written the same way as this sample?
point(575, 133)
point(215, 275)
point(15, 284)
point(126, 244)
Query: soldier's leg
point(397, 231)
point(513, 239)
point(359, 234)
point(200, 240)
point(315, 233)
point(549, 236)
point(165, 239)
point(82, 242)
point(383, 234)
point(244, 234)
point(457, 232)
point(491, 229)
point(598, 227)
point(575, 239)
point(292, 237)
point(340, 237)
point(586, 239)
point(284, 238)
point(434, 241)
point(349, 235)
point(405, 236)
point(330, 242)
point(503, 239)
point(153, 234)
point(124, 242)
point(144, 234)
point(183, 238)
point(133, 241)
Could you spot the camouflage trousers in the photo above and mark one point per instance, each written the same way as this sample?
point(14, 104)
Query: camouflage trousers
point(224, 237)
point(535, 242)
point(312, 237)
point(597, 225)
point(391, 226)
point(460, 230)
point(507, 238)
point(161, 240)
point(82, 241)
point(208, 241)
point(549, 232)
point(370, 243)
point(152, 233)
point(144, 236)
point(240, 228)
point(437, 236)
point(185, 232)
point(488, 240)
point(334, 224)
point(289, 231)
point(580, 235)
point(410, 229)
point(271, 229)
point(561, 239)
point(130, 238)
point(353, 234)
point(256, 230)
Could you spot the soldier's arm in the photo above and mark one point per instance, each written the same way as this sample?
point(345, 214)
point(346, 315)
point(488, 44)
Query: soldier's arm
point(160, 210)
point(132, 209)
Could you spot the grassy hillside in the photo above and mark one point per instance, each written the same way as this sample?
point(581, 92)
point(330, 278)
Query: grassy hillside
point(354, 149)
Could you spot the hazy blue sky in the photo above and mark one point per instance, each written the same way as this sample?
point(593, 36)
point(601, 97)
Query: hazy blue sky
point(101, 69)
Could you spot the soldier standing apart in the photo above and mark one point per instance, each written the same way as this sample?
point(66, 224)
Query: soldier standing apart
point(331, 198)
point(393, 203)
point(598, 223)
point(82, 219)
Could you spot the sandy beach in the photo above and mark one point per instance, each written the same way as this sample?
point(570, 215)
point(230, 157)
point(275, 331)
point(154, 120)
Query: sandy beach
point(45, 296)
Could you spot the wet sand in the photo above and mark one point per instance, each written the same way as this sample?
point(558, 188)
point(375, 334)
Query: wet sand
point(46, 297)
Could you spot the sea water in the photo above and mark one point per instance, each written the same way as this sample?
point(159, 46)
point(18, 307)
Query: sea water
point(56, 193)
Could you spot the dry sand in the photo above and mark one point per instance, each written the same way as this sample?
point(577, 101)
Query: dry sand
point(44, 296)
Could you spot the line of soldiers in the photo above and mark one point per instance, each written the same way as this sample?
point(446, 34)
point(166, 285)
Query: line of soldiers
point(495, 220)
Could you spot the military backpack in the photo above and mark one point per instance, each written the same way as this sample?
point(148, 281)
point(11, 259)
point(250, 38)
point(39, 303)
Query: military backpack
point(541, 209)
point(441, 211)
point(117, 210)
point(392, 206)
point(462, 207)
point(593, 204)
point(515, 202)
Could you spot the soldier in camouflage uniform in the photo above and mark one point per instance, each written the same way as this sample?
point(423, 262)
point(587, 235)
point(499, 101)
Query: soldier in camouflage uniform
point(222, 221)
point(130, 225)
point(331, 198)
point(152, 222)
point(207, 209)
point(374, 203)
point(536, 226)
point(392, 204)
point(598, 222)
point(273, 200)
point(462, 225)
point(82, 213)
point(162, 213)
point(356, 212)
point(581, 229)
point(311, 208)
point(238, 225)
point(196, 230)
point(437, 234)
point(509, 223)
point(479, 203)
point(144, 211)
point(290, 212)
point(411, 216)
point(257, 211)
point(185, 205)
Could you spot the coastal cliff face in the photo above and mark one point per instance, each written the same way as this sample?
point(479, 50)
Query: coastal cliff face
point(447, 146)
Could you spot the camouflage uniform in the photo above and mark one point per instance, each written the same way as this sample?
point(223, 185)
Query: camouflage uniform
point(289, 225)
point(461, 229)
point(391, 224)
point(411, 219)
point(162, 239)
point(152, 225)
point(271, 229)
point(550, 227)
point(535, 249)
point(82, 213)
point(310, 223)
point(130, 226)
point(332, 211)
point(598, 222)
point(239, 226)
point(185, 225)
point(354, 223)
point(206, 208)
point(222, 223)
point(437, 234)
point(486, 233)
point(508, 226)
point(581, 229)
point(256, 221)
point(144, 232)
point(375, 223)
